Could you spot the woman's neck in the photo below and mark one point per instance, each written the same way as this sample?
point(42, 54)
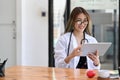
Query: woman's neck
point(78, 34)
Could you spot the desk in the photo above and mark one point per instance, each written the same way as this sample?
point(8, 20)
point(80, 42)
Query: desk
point(45, 73)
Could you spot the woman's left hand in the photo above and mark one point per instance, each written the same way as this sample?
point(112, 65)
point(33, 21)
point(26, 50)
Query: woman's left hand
point(94, 57)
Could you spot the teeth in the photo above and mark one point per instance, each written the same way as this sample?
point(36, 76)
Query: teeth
point(80, 27)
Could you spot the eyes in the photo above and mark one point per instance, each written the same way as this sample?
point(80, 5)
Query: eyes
point(79, 21)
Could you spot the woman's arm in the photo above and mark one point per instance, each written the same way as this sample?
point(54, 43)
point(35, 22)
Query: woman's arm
point(75, 52)
point(61, 58)
point(95, 58)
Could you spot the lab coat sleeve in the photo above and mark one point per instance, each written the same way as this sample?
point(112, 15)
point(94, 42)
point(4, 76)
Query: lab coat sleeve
point(95, 67)
point(61, 53)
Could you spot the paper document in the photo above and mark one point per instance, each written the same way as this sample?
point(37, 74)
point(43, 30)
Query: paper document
point(114, 74)
point(102, 47)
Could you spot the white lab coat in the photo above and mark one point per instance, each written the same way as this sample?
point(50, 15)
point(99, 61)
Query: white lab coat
point(61, 49)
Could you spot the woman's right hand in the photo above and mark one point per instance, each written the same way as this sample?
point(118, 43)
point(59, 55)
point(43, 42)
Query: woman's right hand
point(77, 51)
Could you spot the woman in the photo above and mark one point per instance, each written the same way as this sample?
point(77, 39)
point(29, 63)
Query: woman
point(68, 48)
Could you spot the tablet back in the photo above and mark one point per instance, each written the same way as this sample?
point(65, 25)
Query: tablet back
point(102, 47)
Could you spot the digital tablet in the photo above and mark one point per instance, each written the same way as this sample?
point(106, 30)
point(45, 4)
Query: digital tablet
point(102, 47)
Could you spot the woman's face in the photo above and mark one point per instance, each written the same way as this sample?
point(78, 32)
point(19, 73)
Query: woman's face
point(80, 23)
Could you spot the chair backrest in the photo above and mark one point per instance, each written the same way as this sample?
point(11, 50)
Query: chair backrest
point(2, 68)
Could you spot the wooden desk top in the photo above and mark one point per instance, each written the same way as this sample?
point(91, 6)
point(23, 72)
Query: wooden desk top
point(45, 73)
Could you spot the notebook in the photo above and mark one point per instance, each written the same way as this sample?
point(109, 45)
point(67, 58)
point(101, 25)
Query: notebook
point(102, 47)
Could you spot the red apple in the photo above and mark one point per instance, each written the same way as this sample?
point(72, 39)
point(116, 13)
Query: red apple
point(90, 73)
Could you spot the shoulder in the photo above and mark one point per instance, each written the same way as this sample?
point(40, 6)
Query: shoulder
point(90, 38)
point(65, 36)
point(63, 39)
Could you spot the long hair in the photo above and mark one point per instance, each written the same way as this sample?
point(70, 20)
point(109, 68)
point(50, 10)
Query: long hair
point(71, 21)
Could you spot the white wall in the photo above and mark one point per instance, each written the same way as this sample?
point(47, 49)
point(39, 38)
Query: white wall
point(34, 33)
point(18, 32)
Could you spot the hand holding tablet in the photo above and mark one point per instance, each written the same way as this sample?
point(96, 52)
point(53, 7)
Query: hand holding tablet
point(102, 47)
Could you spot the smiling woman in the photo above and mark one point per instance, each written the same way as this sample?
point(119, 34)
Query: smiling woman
point(68, 44)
